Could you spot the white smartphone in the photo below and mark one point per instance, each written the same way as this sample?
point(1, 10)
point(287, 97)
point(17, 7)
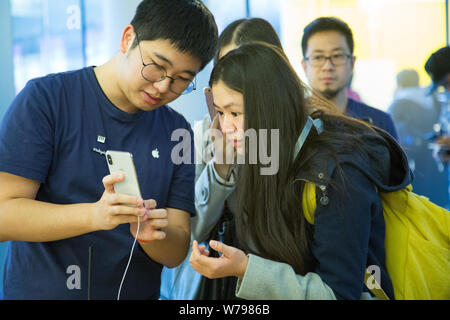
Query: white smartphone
point(123, 161)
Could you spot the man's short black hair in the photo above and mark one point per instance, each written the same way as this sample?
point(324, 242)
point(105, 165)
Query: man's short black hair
point(188, 24)
point(327, 24)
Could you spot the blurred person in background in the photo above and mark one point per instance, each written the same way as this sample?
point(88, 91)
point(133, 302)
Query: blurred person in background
point(415, 112)
point(328, 62)
point(438, 67)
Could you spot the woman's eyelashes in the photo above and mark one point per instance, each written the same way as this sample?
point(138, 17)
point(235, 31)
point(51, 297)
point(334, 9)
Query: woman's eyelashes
point(234, 114)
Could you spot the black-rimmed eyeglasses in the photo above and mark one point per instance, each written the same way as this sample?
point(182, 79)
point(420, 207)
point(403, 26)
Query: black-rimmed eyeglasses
point(153, 72)
point(319, 60)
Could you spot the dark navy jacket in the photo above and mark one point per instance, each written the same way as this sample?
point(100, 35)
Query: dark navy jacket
point(349, 228)
point(376, 117)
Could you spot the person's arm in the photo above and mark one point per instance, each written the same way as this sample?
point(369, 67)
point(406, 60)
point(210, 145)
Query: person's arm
point(201, 143)
point(22, 218)
point(271, 280)
point(211, 193)
point(258, 278)
point(215, 180)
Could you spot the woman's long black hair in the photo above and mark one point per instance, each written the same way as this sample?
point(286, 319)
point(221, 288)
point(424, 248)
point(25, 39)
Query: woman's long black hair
point(247, 30)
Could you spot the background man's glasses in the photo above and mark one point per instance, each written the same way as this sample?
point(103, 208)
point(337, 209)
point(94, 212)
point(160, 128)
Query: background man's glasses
point(153, 72)
point(336, 59)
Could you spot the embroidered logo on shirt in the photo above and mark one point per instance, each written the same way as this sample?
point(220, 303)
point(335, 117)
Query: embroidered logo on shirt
point(101, 139)
point(155, 153)
point(100, 152)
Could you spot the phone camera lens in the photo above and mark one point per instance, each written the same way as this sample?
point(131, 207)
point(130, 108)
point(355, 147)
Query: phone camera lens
point(109, 159)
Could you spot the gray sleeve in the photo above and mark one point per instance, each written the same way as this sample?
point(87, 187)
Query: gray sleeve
point(270, 280)
point(210, 197)
point(201, 143)
point(211, 191)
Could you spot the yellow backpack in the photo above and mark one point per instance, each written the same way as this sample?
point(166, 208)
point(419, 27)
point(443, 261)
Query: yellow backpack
point(417, 244)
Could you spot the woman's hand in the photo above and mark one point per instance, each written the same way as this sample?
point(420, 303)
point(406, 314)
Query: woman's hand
point(232, 262)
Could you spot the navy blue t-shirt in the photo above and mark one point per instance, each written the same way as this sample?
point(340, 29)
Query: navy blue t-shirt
point(49, 135)
point(377, 117)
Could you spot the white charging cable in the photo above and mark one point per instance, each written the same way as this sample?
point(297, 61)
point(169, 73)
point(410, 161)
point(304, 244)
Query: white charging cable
point(129, 259)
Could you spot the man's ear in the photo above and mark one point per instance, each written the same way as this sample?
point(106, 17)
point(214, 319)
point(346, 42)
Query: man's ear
point(304, 64)
point(353, 62)
point(127, 39)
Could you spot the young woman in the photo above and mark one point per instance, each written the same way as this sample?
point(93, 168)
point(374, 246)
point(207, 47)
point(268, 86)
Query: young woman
point(283, 256)
point(221, 173)
point(215, 200)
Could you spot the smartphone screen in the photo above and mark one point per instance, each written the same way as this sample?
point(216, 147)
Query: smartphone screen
point(123, 161)
point(210, 103)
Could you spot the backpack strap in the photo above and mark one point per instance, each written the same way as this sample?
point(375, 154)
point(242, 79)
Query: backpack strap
point(318, 125)
point(309, 207)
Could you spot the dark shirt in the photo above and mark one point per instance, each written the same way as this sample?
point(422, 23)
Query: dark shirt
point(375, 116)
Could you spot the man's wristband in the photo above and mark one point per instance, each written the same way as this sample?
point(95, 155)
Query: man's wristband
point(143, 241)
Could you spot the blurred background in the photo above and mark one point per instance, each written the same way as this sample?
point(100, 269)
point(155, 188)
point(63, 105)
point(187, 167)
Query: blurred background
point(47, 36)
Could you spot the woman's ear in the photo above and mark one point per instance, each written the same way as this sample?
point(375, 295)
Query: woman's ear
point(127, 39)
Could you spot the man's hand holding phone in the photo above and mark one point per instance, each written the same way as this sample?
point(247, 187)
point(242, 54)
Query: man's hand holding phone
point(114, 209)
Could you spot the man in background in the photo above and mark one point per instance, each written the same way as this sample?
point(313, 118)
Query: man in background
point(438, 67)
point(328, 62)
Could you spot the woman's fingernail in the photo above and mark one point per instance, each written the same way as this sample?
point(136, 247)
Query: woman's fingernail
point(213, 243)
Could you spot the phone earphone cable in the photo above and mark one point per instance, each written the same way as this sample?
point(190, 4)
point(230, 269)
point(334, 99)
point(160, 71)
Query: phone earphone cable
point(129, 259)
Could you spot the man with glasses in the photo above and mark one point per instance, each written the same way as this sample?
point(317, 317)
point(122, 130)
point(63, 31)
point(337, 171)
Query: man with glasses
point(327, 46)
point(70, 234)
